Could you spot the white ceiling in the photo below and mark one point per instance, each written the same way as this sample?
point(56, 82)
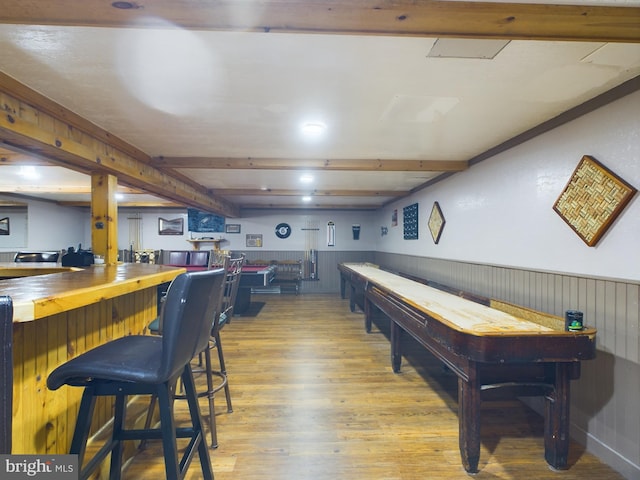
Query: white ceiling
point(178, 93)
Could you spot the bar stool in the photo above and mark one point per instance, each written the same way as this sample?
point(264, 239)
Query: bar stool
point(233, 267)
point(224, 312)
point(149, 365)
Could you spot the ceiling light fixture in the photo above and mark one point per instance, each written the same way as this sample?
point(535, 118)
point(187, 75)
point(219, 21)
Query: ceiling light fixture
point(29, 172)
point(306, 199)
point(306, 178)
point(313, 128)
point(124, 5)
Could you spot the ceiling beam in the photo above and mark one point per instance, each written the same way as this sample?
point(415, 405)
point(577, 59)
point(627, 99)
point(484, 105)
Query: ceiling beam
point(463, 19)
point(307, 206)
point(313, 192)
point(64, 189)
point(158, 204)
point(34, 124)
point(372, 165)
point(14, 158)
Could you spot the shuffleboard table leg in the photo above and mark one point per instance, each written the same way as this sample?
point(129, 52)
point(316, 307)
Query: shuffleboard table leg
point(396, 342)
point(556, 419)
point(352, 298)
point(469, 401)
point(367, 314)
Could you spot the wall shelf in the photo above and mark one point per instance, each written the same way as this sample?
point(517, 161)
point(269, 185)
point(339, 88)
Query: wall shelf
point(197, 241)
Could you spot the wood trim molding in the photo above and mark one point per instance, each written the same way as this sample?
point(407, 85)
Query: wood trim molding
point(463, 19)
point(316, 193)
point(369, 165)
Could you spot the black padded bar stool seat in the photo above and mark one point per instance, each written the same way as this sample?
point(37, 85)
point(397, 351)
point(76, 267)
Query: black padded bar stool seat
point(149, 365)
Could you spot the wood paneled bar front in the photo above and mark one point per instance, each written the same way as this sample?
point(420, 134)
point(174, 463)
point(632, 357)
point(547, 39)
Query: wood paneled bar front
point(59, 313)
point(496, 349)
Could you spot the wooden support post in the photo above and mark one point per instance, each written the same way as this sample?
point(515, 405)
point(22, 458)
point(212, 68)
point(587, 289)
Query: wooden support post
point(104, 217)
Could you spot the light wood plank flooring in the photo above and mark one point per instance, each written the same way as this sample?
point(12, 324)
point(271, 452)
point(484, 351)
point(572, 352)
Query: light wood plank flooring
point(315, 399)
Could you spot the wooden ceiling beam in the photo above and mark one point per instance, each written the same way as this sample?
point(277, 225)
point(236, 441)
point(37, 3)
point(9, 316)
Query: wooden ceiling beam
point(158, 204)
point(64, 189)
point(33, 124)
point(308, 206)
point(463, 19)
point(314, 193)
point(372, 165)
point(14, 158)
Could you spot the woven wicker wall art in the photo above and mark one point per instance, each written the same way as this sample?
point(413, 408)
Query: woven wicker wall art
point(593, 199)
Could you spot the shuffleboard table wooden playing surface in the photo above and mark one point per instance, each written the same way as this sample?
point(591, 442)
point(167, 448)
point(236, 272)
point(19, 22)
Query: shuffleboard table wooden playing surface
point(495, 349)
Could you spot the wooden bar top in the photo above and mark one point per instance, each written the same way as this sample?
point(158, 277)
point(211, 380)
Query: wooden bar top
point(50, 288)
point(457, 312)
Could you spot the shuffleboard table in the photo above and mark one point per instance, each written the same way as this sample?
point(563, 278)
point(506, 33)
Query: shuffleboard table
point(494, 348)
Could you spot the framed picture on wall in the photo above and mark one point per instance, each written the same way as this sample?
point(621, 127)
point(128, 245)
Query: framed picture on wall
point(232, 228)
point(254, 240)
point(4, 226)
point(436, 222)
point(170, 227)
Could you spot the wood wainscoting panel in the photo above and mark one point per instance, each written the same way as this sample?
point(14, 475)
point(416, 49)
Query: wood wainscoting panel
point(43, 420)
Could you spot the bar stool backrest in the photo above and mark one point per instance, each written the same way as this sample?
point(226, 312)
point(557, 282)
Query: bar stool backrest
point(234, 271)
point(187, 316)
point(178, 257)
point(199, 258)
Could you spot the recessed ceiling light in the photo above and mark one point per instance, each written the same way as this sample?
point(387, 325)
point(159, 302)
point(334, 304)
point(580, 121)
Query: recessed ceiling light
point(306, 199)
point(29, 171)
point(313, 128)
point(306, 178)
point(124, 5)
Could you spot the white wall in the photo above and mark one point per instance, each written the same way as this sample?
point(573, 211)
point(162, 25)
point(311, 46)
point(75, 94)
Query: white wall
point(259, 222)
point(500, 210)
point(52, 227)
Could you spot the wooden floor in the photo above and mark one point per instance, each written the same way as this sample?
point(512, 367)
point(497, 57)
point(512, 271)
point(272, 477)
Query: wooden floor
point(314, 398)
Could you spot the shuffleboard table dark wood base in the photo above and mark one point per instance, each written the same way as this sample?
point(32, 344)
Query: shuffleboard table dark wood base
point(496, 349)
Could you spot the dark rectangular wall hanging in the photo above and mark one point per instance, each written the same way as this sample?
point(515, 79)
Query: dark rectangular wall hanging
point(204, 222)
point(410, 218)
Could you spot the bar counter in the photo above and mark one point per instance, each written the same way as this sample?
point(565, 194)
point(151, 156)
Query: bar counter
point(60, 312)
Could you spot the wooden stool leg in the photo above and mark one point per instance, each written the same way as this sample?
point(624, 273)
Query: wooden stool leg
point(223, 369)
point(118, 426)
point(167, 425)
point(83, 424)
point(210, 398)
point(147, 422)
point(196, 421)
